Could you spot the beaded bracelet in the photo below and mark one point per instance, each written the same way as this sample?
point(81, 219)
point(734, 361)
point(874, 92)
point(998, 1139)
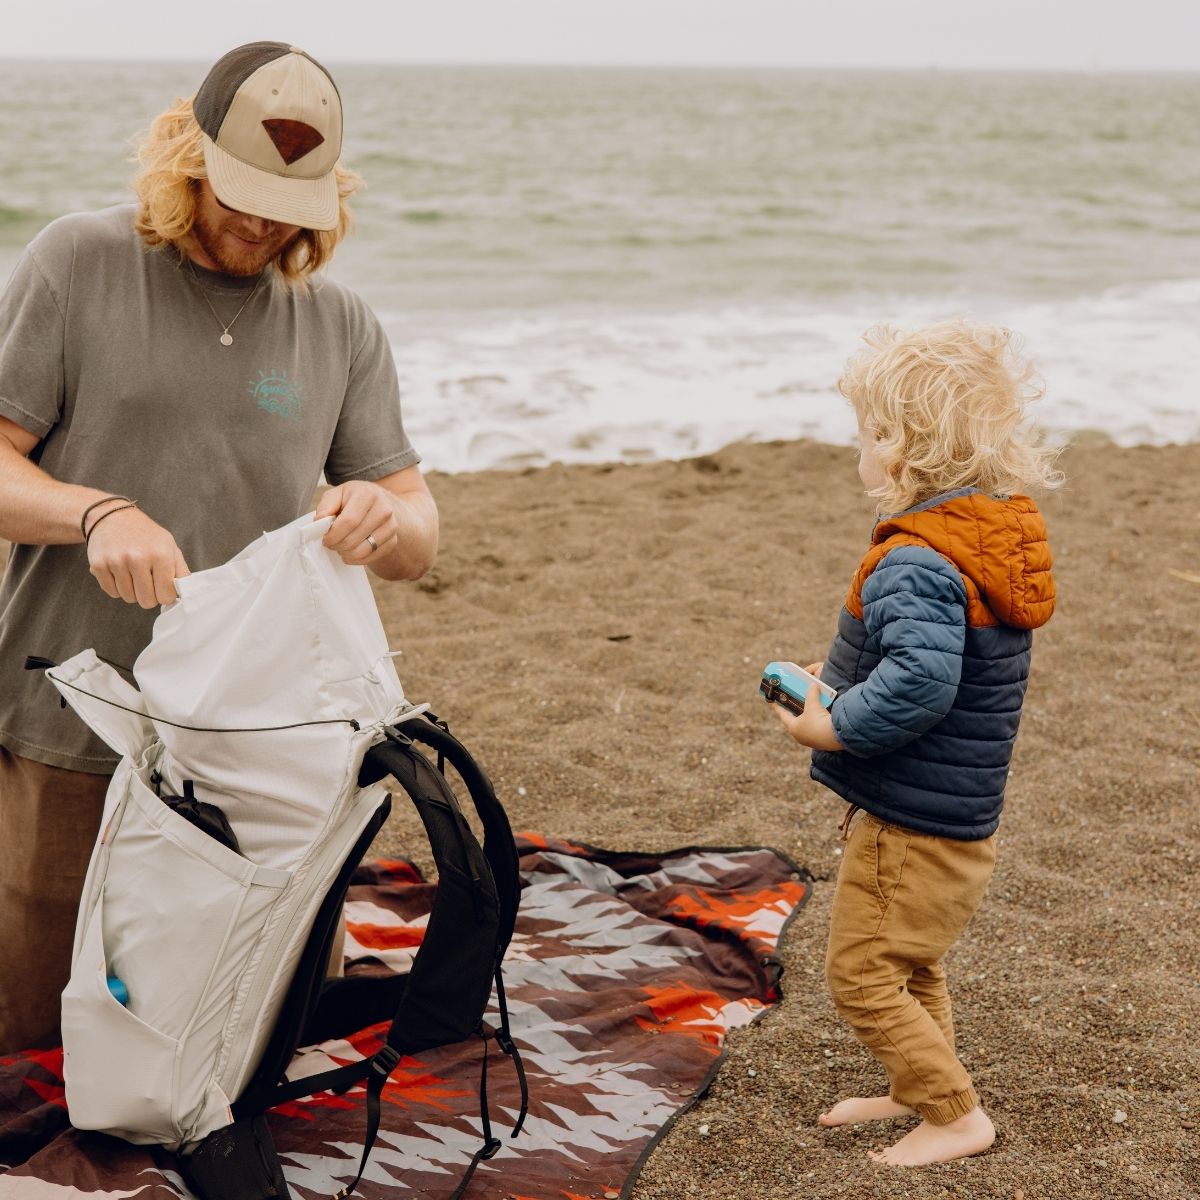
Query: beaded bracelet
point(87, 537)
point(96, 504)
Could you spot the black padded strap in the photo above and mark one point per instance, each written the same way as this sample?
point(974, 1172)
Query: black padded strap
point(451, 976)
point(501, 851)
point(498, 843)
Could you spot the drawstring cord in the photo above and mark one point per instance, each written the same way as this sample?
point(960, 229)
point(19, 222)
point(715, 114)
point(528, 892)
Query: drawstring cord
point(844, 828)
point(33, 663)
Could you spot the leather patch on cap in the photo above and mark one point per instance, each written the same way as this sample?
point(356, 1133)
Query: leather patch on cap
point(293, 139)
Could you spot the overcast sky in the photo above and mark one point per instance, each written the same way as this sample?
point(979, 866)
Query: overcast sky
point(1039, 34)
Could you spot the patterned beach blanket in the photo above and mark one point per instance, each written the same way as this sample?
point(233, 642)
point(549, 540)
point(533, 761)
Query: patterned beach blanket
point(624, 977)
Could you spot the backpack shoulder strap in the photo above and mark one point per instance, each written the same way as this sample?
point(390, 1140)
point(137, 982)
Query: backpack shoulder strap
point(498, 843)
point(501, 850)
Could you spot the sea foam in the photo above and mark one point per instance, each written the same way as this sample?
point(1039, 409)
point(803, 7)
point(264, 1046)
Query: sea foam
point(632, 386)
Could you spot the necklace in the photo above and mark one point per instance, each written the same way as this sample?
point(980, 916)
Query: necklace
point(226, 337)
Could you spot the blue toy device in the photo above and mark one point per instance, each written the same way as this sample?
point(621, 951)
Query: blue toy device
point(787, 684)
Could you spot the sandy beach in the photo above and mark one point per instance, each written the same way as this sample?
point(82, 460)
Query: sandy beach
point(595, 634)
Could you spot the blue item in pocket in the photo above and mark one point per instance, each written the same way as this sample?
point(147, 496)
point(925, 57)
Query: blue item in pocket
point(120, 992)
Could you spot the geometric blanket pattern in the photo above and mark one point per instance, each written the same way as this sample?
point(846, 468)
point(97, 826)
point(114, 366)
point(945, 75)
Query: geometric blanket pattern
point(625, 974)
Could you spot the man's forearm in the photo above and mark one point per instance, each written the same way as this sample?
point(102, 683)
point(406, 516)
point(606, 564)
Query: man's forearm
point(414, 548)
point(36, 509)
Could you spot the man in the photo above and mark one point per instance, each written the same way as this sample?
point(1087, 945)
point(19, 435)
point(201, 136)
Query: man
point(173, 381)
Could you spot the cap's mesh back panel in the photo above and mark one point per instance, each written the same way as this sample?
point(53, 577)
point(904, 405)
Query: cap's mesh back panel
point(228, 74)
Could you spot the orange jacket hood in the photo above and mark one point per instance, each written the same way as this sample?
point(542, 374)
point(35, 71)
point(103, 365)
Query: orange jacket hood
point(999, 547)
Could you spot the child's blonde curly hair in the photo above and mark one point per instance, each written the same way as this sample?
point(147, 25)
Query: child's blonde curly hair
point(945, 406)
point(171, 154)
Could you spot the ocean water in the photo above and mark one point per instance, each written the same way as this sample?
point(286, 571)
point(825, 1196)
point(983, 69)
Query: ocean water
point(605, 264)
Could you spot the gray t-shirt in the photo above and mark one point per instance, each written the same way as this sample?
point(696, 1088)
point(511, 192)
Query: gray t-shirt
point(110, 355)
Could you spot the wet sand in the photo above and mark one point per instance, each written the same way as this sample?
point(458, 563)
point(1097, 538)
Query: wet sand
point(595, 634)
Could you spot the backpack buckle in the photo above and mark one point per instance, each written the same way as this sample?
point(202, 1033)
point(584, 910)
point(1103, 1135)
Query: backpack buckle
point(385, 1060)
point(490, 1147)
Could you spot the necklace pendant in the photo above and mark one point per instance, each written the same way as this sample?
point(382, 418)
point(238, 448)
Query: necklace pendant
point(227, 339)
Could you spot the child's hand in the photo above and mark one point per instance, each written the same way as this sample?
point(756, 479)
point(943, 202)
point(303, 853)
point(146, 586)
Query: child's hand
point(814, 726)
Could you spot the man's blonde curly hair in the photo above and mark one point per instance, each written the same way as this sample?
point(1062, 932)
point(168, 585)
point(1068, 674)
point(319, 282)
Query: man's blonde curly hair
point(171, 154)
point(945, 406)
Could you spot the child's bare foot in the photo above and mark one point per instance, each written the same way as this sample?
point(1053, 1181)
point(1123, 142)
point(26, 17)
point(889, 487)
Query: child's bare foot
point(863, 1108)
point(971, 1134)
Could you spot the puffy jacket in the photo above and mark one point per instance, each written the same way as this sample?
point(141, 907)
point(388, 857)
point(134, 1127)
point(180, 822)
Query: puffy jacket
point(931, 661)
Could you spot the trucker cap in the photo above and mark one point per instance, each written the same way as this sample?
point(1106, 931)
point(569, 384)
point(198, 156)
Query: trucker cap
point(272, 123)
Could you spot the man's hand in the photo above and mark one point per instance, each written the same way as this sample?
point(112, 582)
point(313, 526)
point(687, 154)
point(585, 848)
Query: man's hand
point(134, 559)
point(360, 510)
point(390, 526)
point(814, 726)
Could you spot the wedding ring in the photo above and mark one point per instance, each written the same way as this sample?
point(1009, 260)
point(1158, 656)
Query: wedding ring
point(372, 542)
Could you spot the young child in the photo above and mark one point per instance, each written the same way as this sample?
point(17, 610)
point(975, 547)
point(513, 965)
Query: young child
point(930, 663)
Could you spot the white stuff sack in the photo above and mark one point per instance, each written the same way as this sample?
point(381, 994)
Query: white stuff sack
point(264, 685)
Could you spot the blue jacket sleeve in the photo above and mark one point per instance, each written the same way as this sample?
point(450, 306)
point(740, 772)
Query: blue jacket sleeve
point(914, 603)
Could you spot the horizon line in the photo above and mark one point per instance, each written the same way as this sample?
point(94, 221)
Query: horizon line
point(648, 65)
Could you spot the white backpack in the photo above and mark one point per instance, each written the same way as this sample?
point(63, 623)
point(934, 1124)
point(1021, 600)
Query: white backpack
point(261, 695)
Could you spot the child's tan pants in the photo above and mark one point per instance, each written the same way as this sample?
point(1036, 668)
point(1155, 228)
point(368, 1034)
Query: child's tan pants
point(902, 900)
